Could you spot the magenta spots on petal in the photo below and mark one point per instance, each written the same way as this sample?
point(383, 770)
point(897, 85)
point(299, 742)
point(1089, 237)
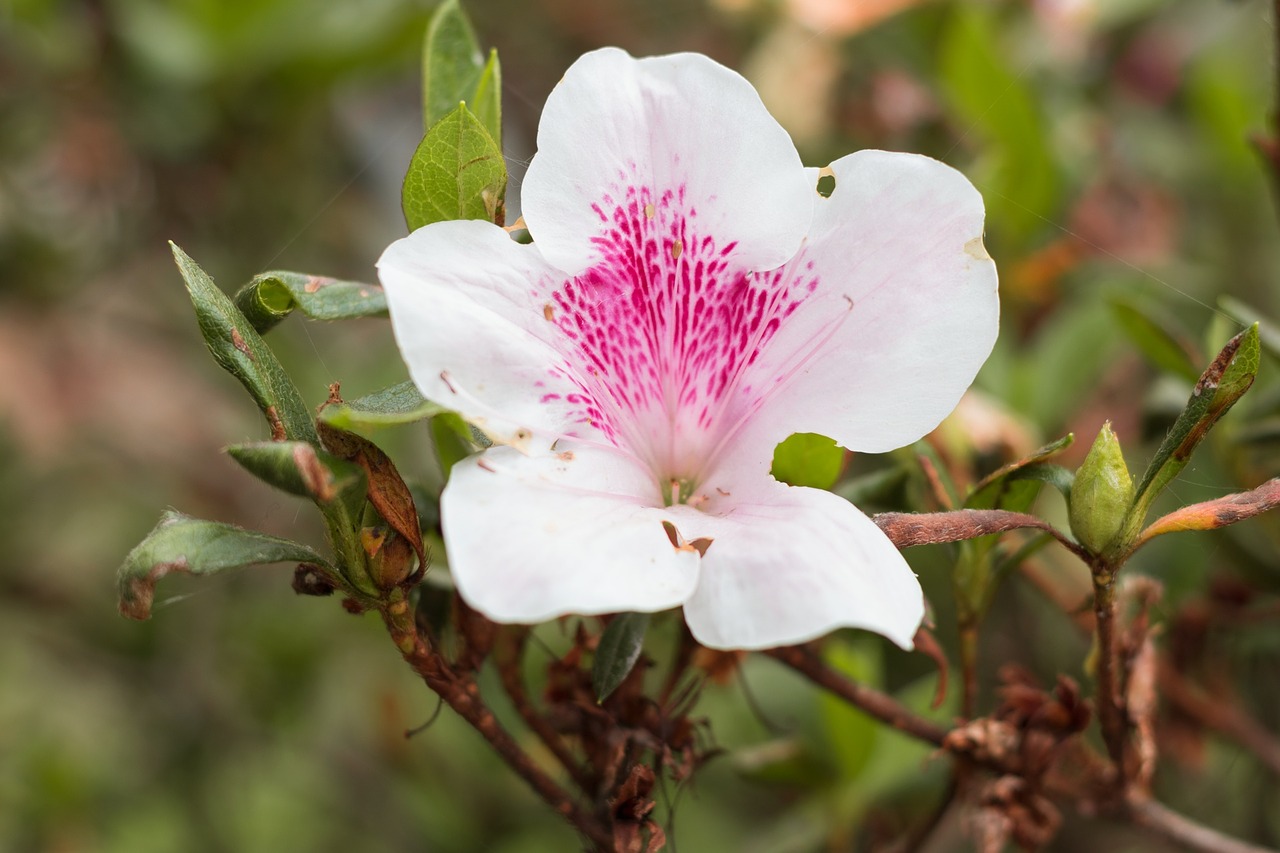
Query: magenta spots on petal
point(658, 333)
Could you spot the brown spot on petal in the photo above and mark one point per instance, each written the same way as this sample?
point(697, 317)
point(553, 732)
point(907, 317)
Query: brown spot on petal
point(549, 312)
point(678, 541)
point(976, 249)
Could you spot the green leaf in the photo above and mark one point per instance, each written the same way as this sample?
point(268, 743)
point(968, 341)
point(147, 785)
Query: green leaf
point(399, 404)
point(807, 459)
point(452, 63)
point(298, 468)
point(1159, 338)
point(874, 486)
point(1220, 386)
point(987, 493)
point(240, 350)
point(180, 543)
point(454, 440)
point(1055, 475)
point(995, 105)
point(456, 173)
point(486, 103)
point(619, 649)
point(850, 734)
point(272, 296)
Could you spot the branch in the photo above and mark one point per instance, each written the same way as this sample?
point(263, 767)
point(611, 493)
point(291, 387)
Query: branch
point(879, 705)
point(509, 652)
point(906, 529)
point(1182, 830)
point(1111, 714)
point(463, 695)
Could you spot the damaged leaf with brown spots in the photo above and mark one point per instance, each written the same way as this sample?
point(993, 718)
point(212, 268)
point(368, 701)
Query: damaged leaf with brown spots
point(180, 543)
point(387, 491)
point(240, 350)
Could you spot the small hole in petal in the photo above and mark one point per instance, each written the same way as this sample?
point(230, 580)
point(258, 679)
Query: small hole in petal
point(826, 182)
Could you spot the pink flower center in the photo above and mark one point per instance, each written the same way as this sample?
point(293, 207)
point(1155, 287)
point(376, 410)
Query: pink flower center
point(660, 335)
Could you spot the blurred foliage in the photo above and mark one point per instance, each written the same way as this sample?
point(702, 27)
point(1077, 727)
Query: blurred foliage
point(1110, 139)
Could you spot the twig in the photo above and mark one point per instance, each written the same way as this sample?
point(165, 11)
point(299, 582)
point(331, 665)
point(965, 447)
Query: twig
point(906, 529)
point(1111, 715)
point(879, 705)
point(462, 694)
point(510, 651)
point(1182, 830)
point(1221, 716)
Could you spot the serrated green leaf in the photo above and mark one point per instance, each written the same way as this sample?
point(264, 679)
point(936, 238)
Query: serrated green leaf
point(298, 468)
point(808, 459)
point(1224, 382)
point(486, 101)
point(240, 350)
point(452, 62)
point(271, 296)
point(400, 404)
point(180, 543)
point(1159, 338)
point(619, 649)
point(456, 173)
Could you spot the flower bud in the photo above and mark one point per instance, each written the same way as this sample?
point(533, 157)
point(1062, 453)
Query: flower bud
point(1101, 494)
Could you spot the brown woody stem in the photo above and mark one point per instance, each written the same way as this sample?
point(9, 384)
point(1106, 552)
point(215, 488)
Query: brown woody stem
point(1111, 716)
point(461, 693)
point(1182, 830)
point(510, 650)
point(879, 705)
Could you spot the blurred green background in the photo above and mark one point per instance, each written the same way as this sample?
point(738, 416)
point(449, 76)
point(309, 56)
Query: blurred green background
point(1109, 137)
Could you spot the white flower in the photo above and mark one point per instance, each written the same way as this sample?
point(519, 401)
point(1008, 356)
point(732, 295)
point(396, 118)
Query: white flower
point(690, 301)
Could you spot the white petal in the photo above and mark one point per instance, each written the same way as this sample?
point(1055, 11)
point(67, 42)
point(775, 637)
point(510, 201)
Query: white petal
point(618, 131)
point(575, 531)
point(903, 310)
point(787, 565)
point(469, 308)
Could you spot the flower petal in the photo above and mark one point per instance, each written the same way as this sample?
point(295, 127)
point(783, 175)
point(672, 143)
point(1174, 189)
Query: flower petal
point(575, 531)
point(902, 309)
point(470, 310)
point(618, 131)
point(789, 564)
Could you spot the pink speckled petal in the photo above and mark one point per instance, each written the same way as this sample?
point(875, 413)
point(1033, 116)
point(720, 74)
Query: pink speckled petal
point(655, 133)
point(790, 564)
point(566, 531)
point(902, 309)
point(470, 309)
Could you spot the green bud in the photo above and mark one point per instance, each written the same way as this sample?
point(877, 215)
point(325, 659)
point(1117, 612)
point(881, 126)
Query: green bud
point(1101, 494)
